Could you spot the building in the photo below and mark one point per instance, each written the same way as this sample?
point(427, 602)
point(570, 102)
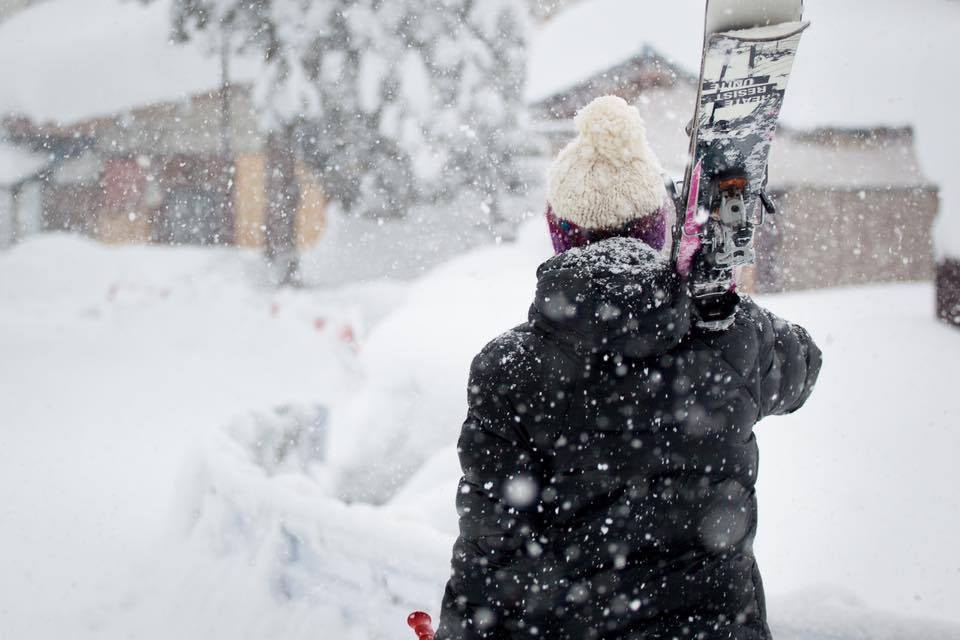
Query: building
point(854, 206)
point(160, 174)
point(21, 177)
point(150, 141)
point(948, 272)
point(948, 291)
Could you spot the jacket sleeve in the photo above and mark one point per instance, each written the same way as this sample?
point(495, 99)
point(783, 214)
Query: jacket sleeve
point(789, 363)
point(497, 556)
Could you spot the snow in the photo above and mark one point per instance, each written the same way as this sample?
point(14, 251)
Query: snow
point(842, 77)
point(360, 248)
point(769, 32)
point(618, 256)
point(373, 70)
point(146, 491)
point(416, 85)
point(64, 61)
point(18, 164)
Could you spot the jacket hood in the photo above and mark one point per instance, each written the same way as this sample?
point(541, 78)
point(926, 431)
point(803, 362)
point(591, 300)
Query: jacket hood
point(618, 295)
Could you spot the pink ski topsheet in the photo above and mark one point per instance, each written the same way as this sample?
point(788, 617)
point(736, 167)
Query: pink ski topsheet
point(690, 240)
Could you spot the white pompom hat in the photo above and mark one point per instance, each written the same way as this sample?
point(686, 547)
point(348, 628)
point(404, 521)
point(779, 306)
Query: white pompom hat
point(608, 176)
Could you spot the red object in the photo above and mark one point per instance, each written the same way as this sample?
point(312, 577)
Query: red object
point(123, 184)
point(421, 623)
point(319, 324)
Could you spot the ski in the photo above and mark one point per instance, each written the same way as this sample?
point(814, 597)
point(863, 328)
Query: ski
point(748, 52)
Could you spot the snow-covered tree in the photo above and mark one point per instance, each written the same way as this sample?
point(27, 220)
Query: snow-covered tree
point(484, 67)
point(392, 103)
point(275, 33)
point(362, 164)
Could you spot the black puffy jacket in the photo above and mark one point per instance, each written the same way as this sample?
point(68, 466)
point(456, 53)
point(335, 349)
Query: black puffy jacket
point(609, 460)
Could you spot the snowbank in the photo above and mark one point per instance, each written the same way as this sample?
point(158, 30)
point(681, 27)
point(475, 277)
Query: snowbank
point(362, 568)
point(416, 362)
point(64, 60)
point(117, 363)
point(360, 248)
point(130, 510)
point(369, 565)
point(841, 615)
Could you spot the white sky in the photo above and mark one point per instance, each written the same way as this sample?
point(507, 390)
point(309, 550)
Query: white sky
point(66, 60)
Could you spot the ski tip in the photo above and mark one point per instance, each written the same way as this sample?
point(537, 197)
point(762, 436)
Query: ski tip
point(768, 33)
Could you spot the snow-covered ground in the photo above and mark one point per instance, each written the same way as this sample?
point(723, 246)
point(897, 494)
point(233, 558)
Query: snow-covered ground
point(138, 499)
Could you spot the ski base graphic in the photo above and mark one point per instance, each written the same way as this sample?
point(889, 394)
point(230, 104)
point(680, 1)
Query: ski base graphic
point(743, 82)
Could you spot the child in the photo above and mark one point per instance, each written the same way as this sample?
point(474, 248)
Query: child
point(608, 453)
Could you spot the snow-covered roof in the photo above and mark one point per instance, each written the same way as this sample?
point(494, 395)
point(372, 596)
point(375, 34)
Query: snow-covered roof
point(70, 60)
point(842, 159)
point(594, 35)
point(18, 164)
point(856, 68)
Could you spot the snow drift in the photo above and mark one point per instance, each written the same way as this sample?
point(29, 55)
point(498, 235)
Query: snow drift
point(130, 374)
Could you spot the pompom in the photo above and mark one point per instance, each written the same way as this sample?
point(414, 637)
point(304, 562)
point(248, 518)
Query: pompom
point(613, 128)
point(608, 175)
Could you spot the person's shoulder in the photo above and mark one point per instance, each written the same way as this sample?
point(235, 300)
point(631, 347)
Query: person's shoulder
point(523, 357)
point(511, 354)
